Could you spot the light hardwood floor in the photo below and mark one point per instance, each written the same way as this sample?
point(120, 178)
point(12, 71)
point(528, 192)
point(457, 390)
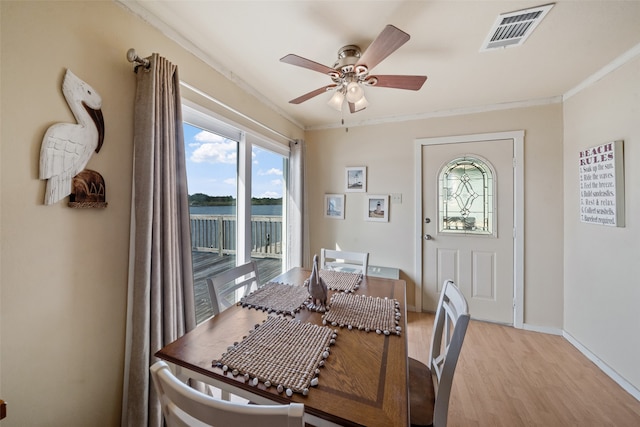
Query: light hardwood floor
point(511, 377)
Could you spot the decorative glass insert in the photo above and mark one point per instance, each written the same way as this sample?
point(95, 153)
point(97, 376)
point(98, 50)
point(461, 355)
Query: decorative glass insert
point(466, 197)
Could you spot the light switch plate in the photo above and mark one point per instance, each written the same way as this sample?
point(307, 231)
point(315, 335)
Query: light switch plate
point(396, 198)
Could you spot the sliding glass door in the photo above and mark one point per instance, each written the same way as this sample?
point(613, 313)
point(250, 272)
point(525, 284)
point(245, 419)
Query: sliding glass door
point(236, 192)
point(268, 188)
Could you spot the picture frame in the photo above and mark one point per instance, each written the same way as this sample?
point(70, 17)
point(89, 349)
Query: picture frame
point(356, 179)
point(334, 206)
point(377, 208)
point(602, 184)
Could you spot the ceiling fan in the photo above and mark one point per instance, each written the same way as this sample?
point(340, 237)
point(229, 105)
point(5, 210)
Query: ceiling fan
point(350, 73)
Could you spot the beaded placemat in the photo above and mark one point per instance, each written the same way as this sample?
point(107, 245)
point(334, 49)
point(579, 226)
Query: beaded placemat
point(364, 312)
point(283, 353)
point(277, 297)
point(341, 281)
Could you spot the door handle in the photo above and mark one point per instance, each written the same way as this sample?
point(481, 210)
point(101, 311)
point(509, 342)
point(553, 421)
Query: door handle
point(428, 237)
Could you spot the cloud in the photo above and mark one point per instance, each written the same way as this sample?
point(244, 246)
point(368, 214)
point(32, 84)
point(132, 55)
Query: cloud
point(214, 149)
point(230, 181)
point(272, 171)
point(271, 194)
point(204, 136)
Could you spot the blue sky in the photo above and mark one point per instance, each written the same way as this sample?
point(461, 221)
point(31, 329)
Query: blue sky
point(211, 166)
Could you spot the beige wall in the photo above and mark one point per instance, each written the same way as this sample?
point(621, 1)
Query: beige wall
point(63, 272)
point(388, 152)
point(602, 289)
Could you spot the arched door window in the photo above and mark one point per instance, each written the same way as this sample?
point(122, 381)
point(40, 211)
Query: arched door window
point(466, 197)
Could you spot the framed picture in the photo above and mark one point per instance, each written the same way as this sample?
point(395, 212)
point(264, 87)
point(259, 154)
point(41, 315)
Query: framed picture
point(334, 206)
point(602, 167)
point(356, 179)
point(377, 208)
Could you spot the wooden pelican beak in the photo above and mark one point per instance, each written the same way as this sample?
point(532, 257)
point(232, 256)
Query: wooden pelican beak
point(98, 119)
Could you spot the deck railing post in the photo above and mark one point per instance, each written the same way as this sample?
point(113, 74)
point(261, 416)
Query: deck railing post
point(220, 222)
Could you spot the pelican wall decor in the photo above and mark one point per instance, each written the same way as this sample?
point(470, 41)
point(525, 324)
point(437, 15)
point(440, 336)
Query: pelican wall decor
point(66, 147)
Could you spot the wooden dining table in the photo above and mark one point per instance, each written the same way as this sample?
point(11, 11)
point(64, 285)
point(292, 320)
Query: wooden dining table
point(364, 381)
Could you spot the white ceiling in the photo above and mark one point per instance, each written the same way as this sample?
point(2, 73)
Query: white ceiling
point(246, 39)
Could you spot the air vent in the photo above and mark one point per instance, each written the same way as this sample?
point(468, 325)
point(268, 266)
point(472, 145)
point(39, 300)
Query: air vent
point(513, 28)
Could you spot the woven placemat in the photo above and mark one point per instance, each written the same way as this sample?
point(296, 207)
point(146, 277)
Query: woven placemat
point(277, 297)
point(364, 312)
point(280, 352)
point(340, 281)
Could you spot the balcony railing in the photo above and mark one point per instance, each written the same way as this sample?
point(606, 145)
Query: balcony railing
point(217, 233)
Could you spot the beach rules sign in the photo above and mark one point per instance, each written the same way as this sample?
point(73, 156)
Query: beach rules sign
point(602, 184)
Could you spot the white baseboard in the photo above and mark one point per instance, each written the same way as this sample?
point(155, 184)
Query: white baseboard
point(629, 388)
point(543, 329)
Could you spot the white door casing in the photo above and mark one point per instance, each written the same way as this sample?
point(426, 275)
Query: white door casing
point(487, 268)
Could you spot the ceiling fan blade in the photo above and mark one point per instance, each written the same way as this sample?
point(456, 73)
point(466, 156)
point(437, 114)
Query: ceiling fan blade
point(390, 39)
point(306, 63)
point(398, 82)
point(311, 94)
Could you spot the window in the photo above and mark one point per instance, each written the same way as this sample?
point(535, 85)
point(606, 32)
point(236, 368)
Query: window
point(466, 197)
point(237, 197)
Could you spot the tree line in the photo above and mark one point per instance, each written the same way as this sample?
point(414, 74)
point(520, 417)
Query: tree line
point(200, 199)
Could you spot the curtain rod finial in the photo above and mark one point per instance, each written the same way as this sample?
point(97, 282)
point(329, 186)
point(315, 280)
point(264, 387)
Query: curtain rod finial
point(132, 56)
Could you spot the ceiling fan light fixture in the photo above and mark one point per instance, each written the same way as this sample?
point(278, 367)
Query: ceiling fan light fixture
point(336, 100)
point(354, 92)
point(361, 104)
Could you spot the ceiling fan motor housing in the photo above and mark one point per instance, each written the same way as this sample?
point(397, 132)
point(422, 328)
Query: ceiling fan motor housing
point(348, 56)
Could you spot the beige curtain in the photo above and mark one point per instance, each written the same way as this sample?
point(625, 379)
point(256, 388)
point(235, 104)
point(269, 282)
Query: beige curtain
point(297, 218)
point(161, 302)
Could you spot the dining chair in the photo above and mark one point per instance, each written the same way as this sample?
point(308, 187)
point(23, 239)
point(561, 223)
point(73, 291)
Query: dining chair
point(430, 384)
point(184, 406)
point(222, 285)
point(345, 261)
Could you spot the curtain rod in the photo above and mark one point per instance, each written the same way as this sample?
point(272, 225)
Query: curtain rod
point(133, 57)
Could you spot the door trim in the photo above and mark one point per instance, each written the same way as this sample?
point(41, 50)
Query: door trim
point(518, 211)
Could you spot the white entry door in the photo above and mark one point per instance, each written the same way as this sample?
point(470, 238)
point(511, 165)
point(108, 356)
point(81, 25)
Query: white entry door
point(468, 225)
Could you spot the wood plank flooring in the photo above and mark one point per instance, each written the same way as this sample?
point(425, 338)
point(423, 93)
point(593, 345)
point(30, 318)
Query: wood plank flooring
point(510, 377)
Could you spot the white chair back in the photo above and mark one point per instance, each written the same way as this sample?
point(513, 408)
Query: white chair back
point(183, 406)
point(430, 385)
point(352, 262)
point(222, 285)
point(449, 330)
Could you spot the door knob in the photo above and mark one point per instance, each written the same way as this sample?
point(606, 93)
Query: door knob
point(428, 237)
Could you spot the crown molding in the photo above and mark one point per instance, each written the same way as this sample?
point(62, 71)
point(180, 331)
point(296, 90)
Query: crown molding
point(134, 7)
point(446, 113)
point(604, 71)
